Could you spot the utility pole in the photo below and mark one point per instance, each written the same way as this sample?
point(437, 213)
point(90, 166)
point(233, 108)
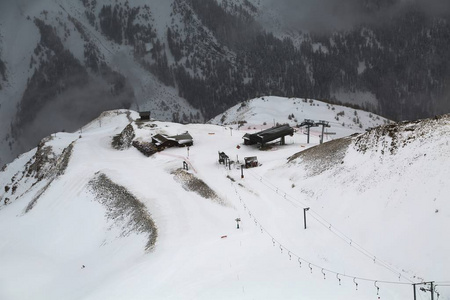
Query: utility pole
point(304, 215)
point(237, 222)
point(307, 141)
point(424, 289)
point(432, 290)
point(308, 123)
point(324, 124)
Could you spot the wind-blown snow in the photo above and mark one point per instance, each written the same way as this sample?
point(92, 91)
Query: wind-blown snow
point(376, 216)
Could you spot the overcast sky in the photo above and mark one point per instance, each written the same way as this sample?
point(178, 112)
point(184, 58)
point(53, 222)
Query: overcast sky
point(319, 15)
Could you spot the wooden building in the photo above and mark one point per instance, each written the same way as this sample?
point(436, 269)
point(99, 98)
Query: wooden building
point(162, 141)
point(144, 115)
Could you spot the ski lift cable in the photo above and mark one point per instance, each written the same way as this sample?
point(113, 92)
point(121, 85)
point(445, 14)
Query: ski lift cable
point(360, 249)
point(337, 232)
point(312, 265)
point(333, 229)
point(325, 223)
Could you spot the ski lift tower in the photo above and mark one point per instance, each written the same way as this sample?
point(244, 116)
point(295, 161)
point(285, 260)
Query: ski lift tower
point(308, 123)
point(324, 124)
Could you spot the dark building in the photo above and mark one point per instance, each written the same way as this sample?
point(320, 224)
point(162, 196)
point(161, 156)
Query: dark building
point(269, 135)
point(223, 158)
point(250, 162)
point(184, 139)
point(144, 115)
point(162, 141)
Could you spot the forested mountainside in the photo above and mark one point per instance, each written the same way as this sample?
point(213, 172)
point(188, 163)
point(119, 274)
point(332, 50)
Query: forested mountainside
point(220, 55)
point(189, 60)
point(2, 72)
point(402, 63)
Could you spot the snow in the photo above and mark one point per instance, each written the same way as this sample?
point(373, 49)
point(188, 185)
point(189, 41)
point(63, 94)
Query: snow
point(272, 110)
point(361, 67)
point(372, 216)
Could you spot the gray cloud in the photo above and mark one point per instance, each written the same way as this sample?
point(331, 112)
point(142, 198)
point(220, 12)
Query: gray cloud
point(326, 15)
point(70, 110)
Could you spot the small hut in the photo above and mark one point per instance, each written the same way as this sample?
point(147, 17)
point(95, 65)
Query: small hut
point(144, 115)
point(250, 162)
point(223, 158)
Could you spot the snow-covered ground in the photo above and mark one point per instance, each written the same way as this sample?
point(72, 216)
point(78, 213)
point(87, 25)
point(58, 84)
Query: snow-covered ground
point(375, 220)
point(265, 112)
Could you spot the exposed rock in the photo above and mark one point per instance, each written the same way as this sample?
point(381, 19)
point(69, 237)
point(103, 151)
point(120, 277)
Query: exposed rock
point(388, 139)
point(41, 163)
point(124, 140)
point(322, 157)
point(194, 184)
point(124, 209)
point(146, 148)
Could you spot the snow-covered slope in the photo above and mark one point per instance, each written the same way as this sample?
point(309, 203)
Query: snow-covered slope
point(268, 111)
point(85, 221)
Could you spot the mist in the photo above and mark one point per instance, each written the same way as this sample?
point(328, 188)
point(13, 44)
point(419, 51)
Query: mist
point(70, 110)
point(331, 15)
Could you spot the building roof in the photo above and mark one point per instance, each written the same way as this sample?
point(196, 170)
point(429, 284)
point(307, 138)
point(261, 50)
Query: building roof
point(159, 138)
point(181, 139)
point(269, 134)
point(250, 158)
point(144, 114)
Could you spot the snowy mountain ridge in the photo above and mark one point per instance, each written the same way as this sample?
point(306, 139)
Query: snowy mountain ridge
point(293, 111)
point(82, 220)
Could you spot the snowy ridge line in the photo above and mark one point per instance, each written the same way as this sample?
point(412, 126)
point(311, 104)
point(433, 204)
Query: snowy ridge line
point(311, 265)
point(331, 228)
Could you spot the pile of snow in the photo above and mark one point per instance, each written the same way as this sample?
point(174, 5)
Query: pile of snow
point(375, 219)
